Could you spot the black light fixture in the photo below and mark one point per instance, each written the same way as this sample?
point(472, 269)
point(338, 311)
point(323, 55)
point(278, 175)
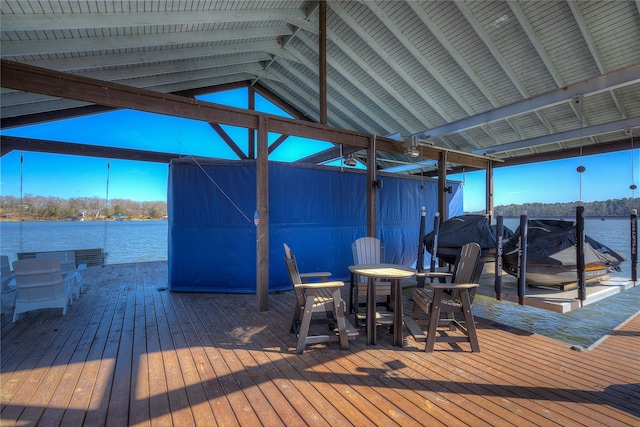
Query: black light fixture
point(350, 160)
point(411, 146)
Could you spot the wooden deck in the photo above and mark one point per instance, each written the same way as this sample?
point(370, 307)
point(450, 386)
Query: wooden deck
point(129, 352)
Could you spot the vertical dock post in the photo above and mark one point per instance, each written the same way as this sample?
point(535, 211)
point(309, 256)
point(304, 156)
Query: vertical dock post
point(582, 287)
point(499, 243)
point(634, 246)
point(522, 258)
point(420, 259)
point(436, 231)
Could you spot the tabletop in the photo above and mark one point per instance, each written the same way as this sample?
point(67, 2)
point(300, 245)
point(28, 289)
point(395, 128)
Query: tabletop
point(388, 271)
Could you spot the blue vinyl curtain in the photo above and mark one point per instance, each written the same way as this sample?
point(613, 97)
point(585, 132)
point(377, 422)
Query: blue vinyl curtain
point(318, 211)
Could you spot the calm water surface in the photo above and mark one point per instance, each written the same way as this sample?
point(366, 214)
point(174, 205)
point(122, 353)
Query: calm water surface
point(134, 241)
point(124, 241)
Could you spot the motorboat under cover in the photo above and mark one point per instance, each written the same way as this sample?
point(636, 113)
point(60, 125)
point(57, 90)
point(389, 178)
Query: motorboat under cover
point(460, 230)
point(551, 254)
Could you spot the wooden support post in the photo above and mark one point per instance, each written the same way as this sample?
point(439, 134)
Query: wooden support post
point(372, 193)
point(322, 61)
point(522, 258)
point(489, 191)
point(262, 206)
point(442, 186)
point(251, 133)
point(634, 246)
point(499, 245)
point(580, 237)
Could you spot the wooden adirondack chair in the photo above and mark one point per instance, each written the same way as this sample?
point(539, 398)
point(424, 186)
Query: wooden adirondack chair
point(39, 284)
point(450, 299)
point(321, 297)
point(366, 250)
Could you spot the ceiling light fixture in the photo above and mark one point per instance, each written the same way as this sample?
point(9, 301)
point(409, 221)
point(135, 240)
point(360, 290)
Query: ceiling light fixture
point(350, 160)
point(411, 146)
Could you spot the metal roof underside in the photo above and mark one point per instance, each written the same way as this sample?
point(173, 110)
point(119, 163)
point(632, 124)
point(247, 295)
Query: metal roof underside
point(507, 79)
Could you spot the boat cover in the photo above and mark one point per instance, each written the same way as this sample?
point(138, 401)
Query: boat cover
point(460, 230)
point(553, 242)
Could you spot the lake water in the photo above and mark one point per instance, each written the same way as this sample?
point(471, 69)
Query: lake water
point(135, 241)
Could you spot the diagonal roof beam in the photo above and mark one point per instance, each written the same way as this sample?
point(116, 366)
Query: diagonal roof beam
point(336, 86)
point(89, 44)
point(591, 44)
point(564, 136)
point(164, 55)
point(614, 80)
point(303, 93)
point(375, 46)
point(61, 21)
point(54, 83)
point(486, 39)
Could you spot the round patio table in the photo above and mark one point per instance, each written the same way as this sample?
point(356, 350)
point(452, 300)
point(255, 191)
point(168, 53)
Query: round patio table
point(393, 272)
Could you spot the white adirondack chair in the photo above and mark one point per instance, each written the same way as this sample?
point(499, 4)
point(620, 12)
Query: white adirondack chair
point(39, 284)
point(69, 268)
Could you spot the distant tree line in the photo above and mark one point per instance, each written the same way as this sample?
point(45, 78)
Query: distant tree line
point(613, 207)
point(40, 208)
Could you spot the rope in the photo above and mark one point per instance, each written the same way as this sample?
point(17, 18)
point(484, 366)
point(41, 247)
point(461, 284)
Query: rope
point(106, 214)
point(221, 190)
point(581, 168)
point(178, 138)
point(21, 201)
point(633, 180)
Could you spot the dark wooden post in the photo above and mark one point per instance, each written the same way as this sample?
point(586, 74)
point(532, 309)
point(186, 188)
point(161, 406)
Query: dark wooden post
point(322, 60)
point(522, 259)
point(499, 243)
point(489, 195)
point(634, 246)
point(372, 193)
point(442, 186)
point(434, 251)
point(251, 133)
point(582, 286)
point(262, 207)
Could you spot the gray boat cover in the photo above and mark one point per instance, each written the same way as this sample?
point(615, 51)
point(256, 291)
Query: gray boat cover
point(553, 242)
point(460, 230)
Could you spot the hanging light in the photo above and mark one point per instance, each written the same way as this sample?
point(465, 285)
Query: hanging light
point(633, 186)
point(350, 160)
point(411, 146)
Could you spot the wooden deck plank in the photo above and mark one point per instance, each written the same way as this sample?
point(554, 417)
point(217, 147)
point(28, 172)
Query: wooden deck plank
point(104, 299)
point(129, 352)
point(158, 388)
point(139, 398)
point(310, 404)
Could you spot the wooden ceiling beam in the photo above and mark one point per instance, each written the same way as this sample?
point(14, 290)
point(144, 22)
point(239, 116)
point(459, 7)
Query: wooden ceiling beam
point(33, 79)
point(12, 143)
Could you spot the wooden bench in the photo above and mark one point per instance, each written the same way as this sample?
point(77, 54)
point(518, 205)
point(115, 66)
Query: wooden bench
point(90, 257)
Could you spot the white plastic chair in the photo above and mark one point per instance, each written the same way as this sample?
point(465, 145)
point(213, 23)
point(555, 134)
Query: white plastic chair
point(6, 277)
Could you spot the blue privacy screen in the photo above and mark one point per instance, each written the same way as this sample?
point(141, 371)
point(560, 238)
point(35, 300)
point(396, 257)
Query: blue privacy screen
point(318, 211)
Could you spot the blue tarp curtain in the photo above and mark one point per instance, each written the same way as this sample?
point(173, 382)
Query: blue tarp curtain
point(318, 211)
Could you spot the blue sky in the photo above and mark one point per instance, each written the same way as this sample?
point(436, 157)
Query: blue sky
point(607, 176)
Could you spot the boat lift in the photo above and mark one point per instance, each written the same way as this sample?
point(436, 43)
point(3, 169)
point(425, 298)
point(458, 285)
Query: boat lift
point(495, 284)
